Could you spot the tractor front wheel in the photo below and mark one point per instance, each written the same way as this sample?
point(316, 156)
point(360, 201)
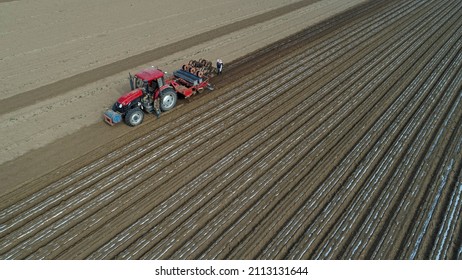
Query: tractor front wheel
point(134, 117)
point(167, 99)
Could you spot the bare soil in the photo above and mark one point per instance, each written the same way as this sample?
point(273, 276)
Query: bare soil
point(342, 141)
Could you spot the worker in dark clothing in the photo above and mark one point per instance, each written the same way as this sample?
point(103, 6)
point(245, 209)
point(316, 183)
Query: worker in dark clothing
point(156, 105)
point(219, 66)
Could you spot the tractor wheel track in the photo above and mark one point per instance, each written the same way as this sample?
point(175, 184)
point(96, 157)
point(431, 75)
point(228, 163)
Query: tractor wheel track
point(305, 156)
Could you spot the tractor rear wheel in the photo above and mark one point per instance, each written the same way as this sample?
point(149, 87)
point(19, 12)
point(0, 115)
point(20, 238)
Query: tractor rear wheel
point(168, 99)
point(134, 117)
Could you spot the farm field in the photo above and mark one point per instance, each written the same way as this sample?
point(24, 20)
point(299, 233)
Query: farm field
point(343, 141)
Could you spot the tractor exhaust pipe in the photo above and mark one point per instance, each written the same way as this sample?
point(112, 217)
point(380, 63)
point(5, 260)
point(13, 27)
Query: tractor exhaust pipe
point(130, 77)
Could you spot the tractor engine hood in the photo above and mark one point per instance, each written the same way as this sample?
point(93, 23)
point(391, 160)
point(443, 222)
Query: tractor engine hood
point(130, 96)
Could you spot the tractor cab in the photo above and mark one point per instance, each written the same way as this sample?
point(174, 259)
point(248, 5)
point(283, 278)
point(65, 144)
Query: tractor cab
point(149, 80)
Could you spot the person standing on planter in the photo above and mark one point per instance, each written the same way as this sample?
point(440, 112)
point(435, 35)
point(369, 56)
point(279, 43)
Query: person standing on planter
point(219, 66)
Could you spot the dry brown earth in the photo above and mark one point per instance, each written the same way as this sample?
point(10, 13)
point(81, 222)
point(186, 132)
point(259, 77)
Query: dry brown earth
point(342, 141)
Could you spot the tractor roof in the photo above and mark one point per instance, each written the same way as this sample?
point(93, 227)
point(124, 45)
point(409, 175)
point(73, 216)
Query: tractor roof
point(150, 74)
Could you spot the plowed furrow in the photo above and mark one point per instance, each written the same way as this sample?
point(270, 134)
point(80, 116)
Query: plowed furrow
point(414, 193)
point(335, 177)
point(391, 192)
point(314, 202)
point(154, 152)
point(329, 27)
point(445, 242)
point(455, 250)
point(436, 208)
point(94, 172)
point(140, 184)
point(253, 212)
point(242, 182)
point(105, 185)
point(378, 178)
point(144, 242)
point(404, 186)
point(443, 178)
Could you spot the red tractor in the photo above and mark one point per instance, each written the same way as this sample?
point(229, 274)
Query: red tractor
point(153, 92)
